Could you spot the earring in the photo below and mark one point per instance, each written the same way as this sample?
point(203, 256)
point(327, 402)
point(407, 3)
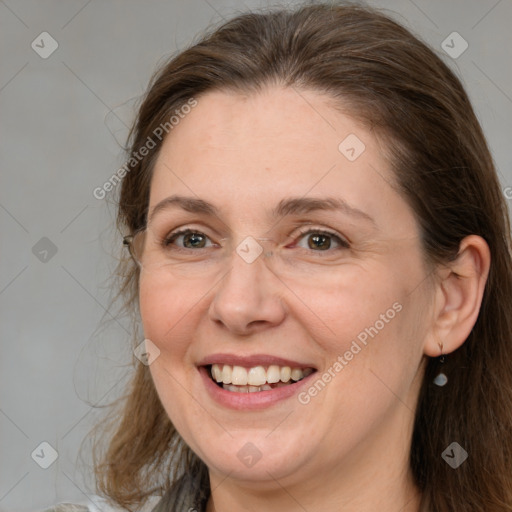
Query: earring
point(441, 378)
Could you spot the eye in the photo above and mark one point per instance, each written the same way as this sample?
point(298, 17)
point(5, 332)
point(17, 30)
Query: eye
point(188, 239)
point(321, 240)
point(318, 240)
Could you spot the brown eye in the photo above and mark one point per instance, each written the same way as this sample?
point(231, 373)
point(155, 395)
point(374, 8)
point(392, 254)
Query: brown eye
point(188, 239)
point(195, 240)
point(319, 241)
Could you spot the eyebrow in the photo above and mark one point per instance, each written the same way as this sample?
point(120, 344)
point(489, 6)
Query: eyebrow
point(289, 206)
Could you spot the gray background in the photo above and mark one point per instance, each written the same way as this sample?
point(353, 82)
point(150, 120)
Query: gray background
point(62, 119)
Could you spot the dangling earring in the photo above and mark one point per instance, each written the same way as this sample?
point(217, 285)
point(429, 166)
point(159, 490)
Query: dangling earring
point(441, 378)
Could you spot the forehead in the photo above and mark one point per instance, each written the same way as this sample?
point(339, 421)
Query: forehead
point(294, 120)
point(244, 151)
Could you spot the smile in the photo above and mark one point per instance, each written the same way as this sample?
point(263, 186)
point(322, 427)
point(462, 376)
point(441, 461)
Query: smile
point(239, 379)
point(253, 382)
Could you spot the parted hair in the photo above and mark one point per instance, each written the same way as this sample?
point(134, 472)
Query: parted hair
point(388, 79)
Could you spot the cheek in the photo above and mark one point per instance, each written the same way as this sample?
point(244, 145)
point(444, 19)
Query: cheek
point(392, 356)
point(372, 367)
point(168, 318)
point(355, 301)
point(168, 310)
point(368, 328)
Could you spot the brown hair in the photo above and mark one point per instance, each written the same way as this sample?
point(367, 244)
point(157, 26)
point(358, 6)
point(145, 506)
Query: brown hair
point(399, 88)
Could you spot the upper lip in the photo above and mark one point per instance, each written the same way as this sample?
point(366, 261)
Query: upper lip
point(251, 361)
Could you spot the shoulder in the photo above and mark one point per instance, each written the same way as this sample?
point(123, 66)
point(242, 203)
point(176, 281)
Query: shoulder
point(98, 504)
point(68, 507)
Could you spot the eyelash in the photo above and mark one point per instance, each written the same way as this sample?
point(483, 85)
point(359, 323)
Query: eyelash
point(343, 244)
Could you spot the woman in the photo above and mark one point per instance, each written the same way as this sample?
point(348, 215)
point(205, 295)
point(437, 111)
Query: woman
point(320, 256)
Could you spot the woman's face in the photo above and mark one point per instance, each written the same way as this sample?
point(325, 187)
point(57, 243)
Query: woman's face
point(304, 258)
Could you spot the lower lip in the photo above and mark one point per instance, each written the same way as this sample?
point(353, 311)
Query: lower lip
point(256, 400)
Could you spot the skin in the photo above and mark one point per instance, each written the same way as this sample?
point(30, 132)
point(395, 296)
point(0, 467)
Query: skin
point(347, 449)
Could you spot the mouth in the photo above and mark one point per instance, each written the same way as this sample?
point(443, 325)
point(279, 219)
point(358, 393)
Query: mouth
point(255, 379)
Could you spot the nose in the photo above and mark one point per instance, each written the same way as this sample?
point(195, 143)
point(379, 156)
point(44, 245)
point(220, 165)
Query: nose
point(249, 298)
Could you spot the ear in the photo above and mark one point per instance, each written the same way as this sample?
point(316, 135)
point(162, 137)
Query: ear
point(458, 295)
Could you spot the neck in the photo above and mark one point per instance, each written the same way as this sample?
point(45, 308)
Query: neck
point(367, 497)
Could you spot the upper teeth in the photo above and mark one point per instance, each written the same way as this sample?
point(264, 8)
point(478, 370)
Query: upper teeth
point(257, 375)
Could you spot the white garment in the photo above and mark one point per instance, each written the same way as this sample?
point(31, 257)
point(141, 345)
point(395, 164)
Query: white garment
point(98, 504)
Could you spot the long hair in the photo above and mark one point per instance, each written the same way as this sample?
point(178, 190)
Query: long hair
point(385, 77)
